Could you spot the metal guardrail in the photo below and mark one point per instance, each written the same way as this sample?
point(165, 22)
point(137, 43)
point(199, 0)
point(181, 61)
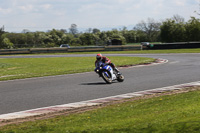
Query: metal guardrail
point(177, 45)
point(14, 51)
point(65, 50)
point(47, 50)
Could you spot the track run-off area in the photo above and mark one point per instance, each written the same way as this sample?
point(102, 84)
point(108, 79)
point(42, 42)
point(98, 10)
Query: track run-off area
point(33, 93)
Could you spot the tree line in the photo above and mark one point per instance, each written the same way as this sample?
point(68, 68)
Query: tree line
point(174, 29)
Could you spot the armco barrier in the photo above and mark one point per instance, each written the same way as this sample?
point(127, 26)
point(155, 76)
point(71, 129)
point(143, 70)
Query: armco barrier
point(72, 49)
point(14, 51)
point(86, 49)
point(177, 45)
point(122, 48)
point(48, 50)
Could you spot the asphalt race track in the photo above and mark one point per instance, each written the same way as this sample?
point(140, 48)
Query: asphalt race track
point(25, 94)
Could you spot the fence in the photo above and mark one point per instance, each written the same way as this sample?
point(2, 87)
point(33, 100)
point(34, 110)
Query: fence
point(102, 48)
point(65, 50)
point(179, 45)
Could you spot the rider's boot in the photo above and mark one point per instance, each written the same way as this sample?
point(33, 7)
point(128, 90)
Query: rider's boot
point(117, 70)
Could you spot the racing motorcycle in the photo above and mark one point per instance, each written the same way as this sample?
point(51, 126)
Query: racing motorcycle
point(107, 73)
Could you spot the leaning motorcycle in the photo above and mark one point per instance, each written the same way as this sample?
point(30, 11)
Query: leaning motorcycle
point(107, 73)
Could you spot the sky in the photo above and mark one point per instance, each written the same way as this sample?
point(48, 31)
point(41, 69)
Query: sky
point(43, 15)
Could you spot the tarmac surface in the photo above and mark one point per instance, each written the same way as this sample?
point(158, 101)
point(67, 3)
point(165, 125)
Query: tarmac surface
point(34, 93)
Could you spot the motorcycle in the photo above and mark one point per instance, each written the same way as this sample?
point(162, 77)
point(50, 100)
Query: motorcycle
point(107, 73)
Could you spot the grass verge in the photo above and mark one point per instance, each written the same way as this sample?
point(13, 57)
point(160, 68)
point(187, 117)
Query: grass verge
point(178, 112)
point(164, 51)
point(167, 51)
point(19, 68)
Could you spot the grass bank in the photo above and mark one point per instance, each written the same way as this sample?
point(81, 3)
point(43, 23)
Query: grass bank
point(167, 51)
point(19, 68)
point(168, 113)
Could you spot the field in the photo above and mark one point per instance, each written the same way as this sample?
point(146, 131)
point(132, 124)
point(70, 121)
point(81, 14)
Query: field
point(19, 68)
point(172, 112)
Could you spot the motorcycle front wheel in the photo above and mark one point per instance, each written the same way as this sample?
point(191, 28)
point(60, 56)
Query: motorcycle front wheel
point(106, 77)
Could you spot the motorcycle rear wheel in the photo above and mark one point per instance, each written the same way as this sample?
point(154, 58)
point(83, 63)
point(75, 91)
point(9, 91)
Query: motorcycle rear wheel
point(120, 78)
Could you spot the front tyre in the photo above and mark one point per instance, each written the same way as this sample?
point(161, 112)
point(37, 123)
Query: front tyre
point(106, 77)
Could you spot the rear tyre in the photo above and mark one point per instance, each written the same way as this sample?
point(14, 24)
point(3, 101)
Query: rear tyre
point(120, 78)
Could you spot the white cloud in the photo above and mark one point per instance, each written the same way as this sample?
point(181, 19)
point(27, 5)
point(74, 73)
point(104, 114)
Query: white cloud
point(96, 7)
point(26, 8)
point(180, 2)
point(5, 11)
point(89, 13)
point(46, 6)
point(124, 1)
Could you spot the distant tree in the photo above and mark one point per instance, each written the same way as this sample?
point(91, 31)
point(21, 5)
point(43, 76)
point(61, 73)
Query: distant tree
point(119, 37)
point(104, 38)
point(18, 39)
point(63, 30)
point(41, 38)
point(124, 28)
point(25, 31)
point(30, 39)
point(55, 37)
point(198, 12)
point(73, 29)
point(178, 19)
point(172, 31)
point(66, 38)
point(95, 30)
point(87, 39)
point(193, 29)
point(7, 44)
point(1, 33)
point(89, 30)
point(75, 42)
point(113, 32)
point(97, 39)
point(151, 28)
point(130, 36)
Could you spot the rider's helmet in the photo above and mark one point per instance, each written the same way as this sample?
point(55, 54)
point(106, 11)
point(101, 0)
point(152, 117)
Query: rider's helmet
point(99, 56)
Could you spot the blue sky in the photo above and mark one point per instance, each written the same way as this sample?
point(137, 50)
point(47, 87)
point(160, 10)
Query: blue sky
point(43, 15)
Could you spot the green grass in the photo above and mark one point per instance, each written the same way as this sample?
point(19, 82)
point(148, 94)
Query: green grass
point(140, 43)
point(154, 51)
point(168, 51)
point(175, 113)
point(165, 51)
point(195, 50)
point(19, 68)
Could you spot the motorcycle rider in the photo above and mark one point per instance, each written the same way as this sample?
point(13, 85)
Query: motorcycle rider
point(105, 60)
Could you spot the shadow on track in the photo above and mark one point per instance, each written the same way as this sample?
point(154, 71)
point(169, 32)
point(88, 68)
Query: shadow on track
point(98, 83)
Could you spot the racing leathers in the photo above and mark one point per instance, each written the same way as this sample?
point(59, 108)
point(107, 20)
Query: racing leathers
point(107, 61)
